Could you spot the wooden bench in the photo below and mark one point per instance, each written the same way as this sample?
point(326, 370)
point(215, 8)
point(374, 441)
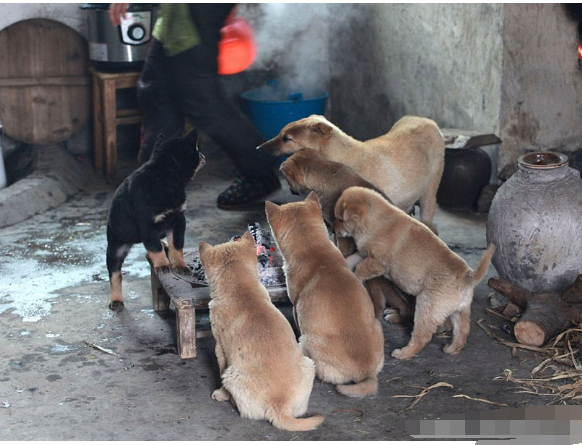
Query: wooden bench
point(187, 296)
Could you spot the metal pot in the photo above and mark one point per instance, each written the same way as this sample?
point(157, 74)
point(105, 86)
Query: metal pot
point(120, 48)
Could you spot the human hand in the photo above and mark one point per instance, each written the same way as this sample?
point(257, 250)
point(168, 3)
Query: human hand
point(117, 12)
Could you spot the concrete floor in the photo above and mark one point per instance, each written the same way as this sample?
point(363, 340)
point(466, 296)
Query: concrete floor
point(53, 300)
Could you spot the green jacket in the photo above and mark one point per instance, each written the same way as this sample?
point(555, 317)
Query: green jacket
point(175, 29)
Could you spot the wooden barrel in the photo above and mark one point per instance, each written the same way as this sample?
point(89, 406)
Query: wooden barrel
point(45, 84)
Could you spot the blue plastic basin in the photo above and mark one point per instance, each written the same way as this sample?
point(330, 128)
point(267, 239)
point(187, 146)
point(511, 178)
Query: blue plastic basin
point(270, 109)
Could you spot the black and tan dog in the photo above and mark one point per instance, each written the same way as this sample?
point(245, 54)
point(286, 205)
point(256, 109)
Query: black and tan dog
point(148, 206)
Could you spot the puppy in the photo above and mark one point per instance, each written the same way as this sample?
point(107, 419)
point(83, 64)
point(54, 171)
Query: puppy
point(406, 163)
point(308, 171)
point(402, 249)
point(149, 205)
point(263, 371)
point(332, 309)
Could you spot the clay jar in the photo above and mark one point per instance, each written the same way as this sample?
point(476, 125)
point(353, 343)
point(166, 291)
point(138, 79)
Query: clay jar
point(465, 174)
point(535, 221)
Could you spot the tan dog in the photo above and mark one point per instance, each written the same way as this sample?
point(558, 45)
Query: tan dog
point(263, 371)
point(406, 163)
point(399, 247)
point(309, 171)
point(331, 307)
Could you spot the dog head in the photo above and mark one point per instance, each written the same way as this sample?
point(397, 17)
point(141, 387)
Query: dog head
point(296, 170)
point(294, 215)
point(310, 132)
point(182, 152)
point(216, 259)
point(350, 211)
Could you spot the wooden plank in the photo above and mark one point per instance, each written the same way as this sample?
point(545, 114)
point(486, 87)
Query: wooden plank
point(128, 120)
point(45, 81)
point(127, 82)
point(466, 139)
point(126, 112)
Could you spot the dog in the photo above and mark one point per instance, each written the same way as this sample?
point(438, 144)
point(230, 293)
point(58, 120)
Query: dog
point(308, 171)
point(406, 163)
point(332, 309)
point(264, 373)
point(149, 205)
point(399, 247)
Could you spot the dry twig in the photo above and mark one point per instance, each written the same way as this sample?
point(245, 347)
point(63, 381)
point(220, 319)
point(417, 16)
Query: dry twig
point(100, 348)
point(478, 400)
point(423, 393)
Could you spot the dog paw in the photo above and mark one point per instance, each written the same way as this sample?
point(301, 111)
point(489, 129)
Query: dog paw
point(182, 270)
point(393, 316)
point(449, 349)
point(163, 269)
point(401, 354)
point(221, 395)
point(116, 305)
point(353, 260)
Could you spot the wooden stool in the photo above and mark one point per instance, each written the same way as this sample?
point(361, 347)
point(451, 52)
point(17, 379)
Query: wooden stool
point(187, 296)
point(106, 118)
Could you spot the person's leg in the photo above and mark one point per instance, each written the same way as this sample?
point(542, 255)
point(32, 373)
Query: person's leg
point(161, 115)
point(197, 88)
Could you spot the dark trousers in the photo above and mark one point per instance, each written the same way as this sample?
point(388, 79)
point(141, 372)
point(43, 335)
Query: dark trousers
point(188, 84)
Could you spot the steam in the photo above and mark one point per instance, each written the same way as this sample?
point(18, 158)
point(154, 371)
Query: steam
point(292, 39)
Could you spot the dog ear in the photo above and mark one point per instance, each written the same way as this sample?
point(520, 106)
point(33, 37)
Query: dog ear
point(203, 247)
point(192, 137)
point(248, 237)
point(285, 166)
point(312, 197)
point(322, 128)
point(160, 138)
point(271, 209)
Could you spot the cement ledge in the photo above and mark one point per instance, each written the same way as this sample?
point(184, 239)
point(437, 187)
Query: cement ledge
point(57, 177)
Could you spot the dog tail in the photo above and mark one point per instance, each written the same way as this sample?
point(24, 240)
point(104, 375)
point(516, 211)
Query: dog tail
point(477, 275)
point(367, 387)
point(290, 423)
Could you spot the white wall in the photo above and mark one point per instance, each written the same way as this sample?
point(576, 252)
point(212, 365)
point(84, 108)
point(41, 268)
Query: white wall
point(68, 13)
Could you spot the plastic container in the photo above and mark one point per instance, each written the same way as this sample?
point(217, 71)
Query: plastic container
point(236, 49)
point(272, 107)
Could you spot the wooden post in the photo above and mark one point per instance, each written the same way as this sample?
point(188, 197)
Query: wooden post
point(186, 329)
point(97, 125)
point(160, 298)
point(110, 129)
